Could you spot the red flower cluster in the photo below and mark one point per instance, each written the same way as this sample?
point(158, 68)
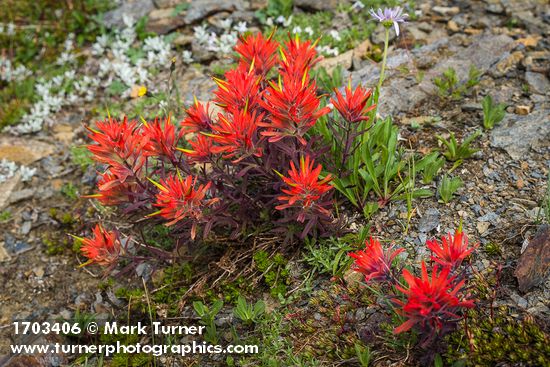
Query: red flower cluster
point(227, 156)
point(353, 107)
point(236, 136)
point(103, 248)
point(258, 53)
point(179, 199)
point(452, 251)
point(431, 302)
point(374, 261)
point(304, 188)
point(293, 108)
point(119, 145)
point(162, 138)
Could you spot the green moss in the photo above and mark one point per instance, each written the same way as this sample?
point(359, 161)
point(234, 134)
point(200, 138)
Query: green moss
point(275, 272)
point(171, 286)
point(499, 340)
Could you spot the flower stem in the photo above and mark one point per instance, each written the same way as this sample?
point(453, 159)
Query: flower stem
point(384, 58)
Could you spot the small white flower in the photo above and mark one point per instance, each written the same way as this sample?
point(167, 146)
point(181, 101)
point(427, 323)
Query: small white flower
point(334, 34)
point(226, 23)
point(187, 56)
point(26, 173)
point(128, 20)
point(241, 27)
point(269, 22)
point(358, 5)
point(11, 29)
point(308, 30)
point(297, 29)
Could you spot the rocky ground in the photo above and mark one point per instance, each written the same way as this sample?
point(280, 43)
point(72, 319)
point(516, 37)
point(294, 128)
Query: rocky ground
point(500, 204)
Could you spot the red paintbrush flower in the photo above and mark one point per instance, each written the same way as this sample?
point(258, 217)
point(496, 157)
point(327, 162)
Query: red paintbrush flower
point(353, 107)
point(198, 119)
point(162, 138)
point(179, 199)
point(201, 149)
point(374, 261)
point(236, 135)
point(298, 57)
point(258, 52)
point(240, 90)
point(432, 302)
point(120, 145)
point(452, 251)
point(112, 191)
point(304, 188)
point(293, 108)
point(103, 248)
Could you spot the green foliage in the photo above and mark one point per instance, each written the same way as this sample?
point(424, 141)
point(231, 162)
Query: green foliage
point(180, 8)
point(448, 186)
point(449, 85)
point(159, 236)
point(274, 270)
point(493, 113)
point(5, 215)
point(15, 98)
point(328, 256)
point(375, 166)
point(70, 191)
point(455, 152)
point(208, 315)
point(82, 157)
point(172, 286)
point(430, 166)
point(123, 359)
point(38, 40)
point(274, 9)
point(328, 82)
point(499, 340)
point(249, 313)
point(364, 354)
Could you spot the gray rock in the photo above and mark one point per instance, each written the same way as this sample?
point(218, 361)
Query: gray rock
point(491, 217)
point(194, 83)
point(520, 301)
point(429, 221)
point(162, 21)
point(135, 9)
point(538, 83)
point(20, 195)
point(518, 134)
point(405, 93)
point(7, 188)
point(446, 11)
point(25, 228)
point(201, 9)
point(316, 4)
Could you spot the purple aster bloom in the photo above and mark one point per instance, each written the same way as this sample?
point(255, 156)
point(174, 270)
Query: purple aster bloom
point(390, 16)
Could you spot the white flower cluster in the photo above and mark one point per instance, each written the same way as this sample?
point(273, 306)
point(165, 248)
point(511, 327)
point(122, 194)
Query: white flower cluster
point(117, 62)
point(8, 169)
point(8, 29)
point(122, 59)
point(328, 51)
point(222, 43)
point(8, 73)
point(307, 30)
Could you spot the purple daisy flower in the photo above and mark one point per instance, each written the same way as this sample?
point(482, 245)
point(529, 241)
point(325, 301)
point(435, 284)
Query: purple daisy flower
point(390, 16)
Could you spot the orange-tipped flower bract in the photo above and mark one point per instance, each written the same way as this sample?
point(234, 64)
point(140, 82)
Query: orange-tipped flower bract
point(103, 248)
